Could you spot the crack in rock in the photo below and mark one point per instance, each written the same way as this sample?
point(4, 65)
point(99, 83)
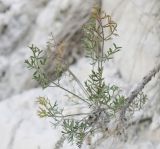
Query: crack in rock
point(13, 133)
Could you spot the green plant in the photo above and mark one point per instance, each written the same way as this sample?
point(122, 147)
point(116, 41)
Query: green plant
point(104, 101)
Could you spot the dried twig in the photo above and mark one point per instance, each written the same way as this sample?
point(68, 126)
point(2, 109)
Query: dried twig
point(138, 89)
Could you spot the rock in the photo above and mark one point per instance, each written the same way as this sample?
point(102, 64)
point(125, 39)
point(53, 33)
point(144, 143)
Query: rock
point(22, 128)
point(137, 27)
point(17, 24)
point(30, 21)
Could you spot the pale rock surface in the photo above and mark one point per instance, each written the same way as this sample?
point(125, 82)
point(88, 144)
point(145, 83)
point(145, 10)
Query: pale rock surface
point(138, 28)
point(22, 24)
point(31, 21)
point(21, 127)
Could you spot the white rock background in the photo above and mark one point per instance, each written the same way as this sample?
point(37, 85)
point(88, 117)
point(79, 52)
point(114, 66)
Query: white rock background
point(31, 21)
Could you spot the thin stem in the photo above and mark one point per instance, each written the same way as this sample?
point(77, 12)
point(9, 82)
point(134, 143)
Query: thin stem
point(102, 45)
point(78, 82)
point(69, 115)
point(77, 114)
point(85, 100)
